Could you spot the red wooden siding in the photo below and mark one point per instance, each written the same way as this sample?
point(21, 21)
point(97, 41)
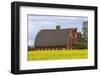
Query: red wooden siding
point(74, 39)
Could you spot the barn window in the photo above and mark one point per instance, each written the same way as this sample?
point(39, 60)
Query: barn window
point(56, 48)
point(63, 48)
point(48, 48)
point(53, 49)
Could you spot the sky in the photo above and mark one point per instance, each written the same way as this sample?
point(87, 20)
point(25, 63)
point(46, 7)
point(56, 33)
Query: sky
point(38, 22)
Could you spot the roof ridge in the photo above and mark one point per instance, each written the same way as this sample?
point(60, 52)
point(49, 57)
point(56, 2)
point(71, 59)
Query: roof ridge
point(60, 29)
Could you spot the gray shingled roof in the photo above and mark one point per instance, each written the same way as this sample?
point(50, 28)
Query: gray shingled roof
point(52, 37)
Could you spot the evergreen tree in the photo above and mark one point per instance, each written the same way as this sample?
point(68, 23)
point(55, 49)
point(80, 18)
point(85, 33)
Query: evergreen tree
point(85, 30)
point(83, 36)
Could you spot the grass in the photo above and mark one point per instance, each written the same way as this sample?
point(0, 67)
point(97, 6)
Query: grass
point(57, 54)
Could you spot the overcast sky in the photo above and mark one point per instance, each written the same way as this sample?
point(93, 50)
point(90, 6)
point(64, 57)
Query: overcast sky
point(38, 22)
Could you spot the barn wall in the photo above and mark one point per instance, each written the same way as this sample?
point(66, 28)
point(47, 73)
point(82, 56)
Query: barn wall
point(69, 46)
point(73, 39)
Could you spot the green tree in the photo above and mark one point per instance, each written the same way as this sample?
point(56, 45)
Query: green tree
point(83, 36)
point(30, 48)
point(85, 30)
point(82, 44)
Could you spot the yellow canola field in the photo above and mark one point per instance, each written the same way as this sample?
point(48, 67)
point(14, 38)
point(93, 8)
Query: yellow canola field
point(57, 54)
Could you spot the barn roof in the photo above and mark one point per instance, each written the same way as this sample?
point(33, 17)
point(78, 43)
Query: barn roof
point(52, 37)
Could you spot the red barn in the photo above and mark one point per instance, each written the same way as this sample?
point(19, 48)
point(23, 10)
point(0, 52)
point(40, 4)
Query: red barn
point(56, 38)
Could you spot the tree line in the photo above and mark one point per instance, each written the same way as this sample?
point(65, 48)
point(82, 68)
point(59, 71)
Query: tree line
point(83, 36)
